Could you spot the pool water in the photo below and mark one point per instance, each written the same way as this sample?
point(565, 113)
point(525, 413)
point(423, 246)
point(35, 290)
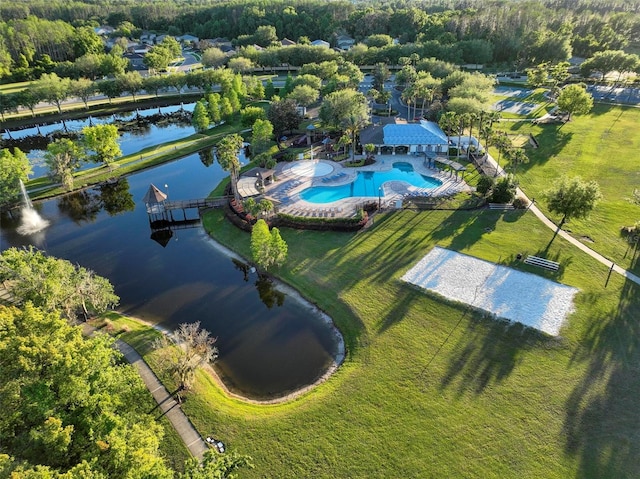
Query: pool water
point(368, 183)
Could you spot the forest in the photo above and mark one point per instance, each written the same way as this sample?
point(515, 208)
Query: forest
point(35, 36)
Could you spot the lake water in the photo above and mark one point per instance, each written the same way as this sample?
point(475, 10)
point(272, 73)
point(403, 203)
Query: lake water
point(266, 349)
point(129, 141)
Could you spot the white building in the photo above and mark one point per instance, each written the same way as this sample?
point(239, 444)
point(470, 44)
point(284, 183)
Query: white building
point(424, 137)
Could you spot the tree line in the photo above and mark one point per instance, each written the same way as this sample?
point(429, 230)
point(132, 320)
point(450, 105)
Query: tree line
point(71, 406)
point(522, 33)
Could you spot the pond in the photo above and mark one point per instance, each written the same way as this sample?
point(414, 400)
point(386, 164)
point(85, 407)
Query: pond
point(269, 343)
point(129, 141)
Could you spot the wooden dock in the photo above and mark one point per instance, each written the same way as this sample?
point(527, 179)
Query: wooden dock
point(168, 206)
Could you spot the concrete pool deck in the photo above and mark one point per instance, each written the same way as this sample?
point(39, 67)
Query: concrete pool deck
point(292, 179)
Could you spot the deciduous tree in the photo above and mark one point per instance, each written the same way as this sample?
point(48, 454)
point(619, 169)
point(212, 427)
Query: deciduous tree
point(69, 404)
point(572, 198)
point(55, 284)
point(84, 89)
point(130, 82)
point(63, 157)
point(215, 466)
point(304, 95)
point(194, 348)
point(200, 118)
point(101, 143)
point(53, 89)
point(262, 133)
point(213, 57)
point(267, 247)
point(13, 168)
point(250, 114)
point(575, 100)
point(339, 106)
point(284, 116)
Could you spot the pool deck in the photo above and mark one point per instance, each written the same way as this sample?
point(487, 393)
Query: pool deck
point(285, 192)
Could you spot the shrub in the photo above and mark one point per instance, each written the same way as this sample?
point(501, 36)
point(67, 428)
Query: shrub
point(520, 203)
point(504, 191)
point(485, 185)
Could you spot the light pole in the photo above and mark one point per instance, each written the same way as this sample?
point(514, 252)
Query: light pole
point(379, 197)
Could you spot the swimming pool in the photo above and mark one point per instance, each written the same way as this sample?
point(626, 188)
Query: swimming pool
point(368, 183)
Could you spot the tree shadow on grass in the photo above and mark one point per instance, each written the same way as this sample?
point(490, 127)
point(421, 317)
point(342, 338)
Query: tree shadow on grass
point(403, 303)
point(550, 143)
point(488, 351)
point(465, 228)
point(602, 423)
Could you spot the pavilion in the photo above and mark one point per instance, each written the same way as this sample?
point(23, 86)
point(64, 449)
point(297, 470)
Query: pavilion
point(424, 137)
point(252, 181)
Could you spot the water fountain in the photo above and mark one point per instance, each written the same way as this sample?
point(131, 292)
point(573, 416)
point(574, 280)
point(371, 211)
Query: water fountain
point(31, 222)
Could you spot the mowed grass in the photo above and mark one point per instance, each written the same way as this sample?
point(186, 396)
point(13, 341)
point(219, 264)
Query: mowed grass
point(431, 388)
point(601, 146)
point(141, 336)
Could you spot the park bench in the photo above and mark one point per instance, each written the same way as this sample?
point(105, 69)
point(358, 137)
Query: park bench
point(542, 262)
point(500, 206)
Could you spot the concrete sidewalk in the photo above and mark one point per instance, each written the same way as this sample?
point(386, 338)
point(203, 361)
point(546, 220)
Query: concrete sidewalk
point(167, 405)
point(490, 166)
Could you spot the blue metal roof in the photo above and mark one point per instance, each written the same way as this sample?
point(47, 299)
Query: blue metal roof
point(423, 133)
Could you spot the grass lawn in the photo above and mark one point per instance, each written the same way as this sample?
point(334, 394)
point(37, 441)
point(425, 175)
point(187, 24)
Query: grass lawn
point(44, 187)
point(8, 88)
point(600, 146)
point(432, 389)
point(141, 337)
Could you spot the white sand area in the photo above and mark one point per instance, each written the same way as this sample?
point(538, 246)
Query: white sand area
point(507, 293)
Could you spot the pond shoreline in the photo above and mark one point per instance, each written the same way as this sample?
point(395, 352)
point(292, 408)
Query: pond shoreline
point(26, 120)
point(338, 357)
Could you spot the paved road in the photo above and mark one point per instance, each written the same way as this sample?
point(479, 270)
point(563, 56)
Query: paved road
point(491, 168)
point(167, 405)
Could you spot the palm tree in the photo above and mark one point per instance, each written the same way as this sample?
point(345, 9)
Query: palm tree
point(383, 97)
point(227, 156)
point(409, 96)
point(490, 117)
point(352, 126)
point(515, 157)
point(502, 143)
point(471, 118)
point(448, 122)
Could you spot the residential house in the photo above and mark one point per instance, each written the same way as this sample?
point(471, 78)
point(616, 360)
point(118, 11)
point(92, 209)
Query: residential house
point(320, 43)
point(136, 61)
point(104, 30)
point(344, 42)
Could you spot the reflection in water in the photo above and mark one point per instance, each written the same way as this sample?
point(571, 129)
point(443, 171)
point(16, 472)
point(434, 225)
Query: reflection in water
point(162, 237)
point(162, 230)
point(264, 352)
point(206, 156)
point(266, 288)
point(268, 293)
point(83, 206)
point(115, 196)
point(240, 266)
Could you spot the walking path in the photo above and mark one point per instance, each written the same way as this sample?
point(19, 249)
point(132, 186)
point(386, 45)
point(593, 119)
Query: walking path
point(167, 405)
point(493, 166)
